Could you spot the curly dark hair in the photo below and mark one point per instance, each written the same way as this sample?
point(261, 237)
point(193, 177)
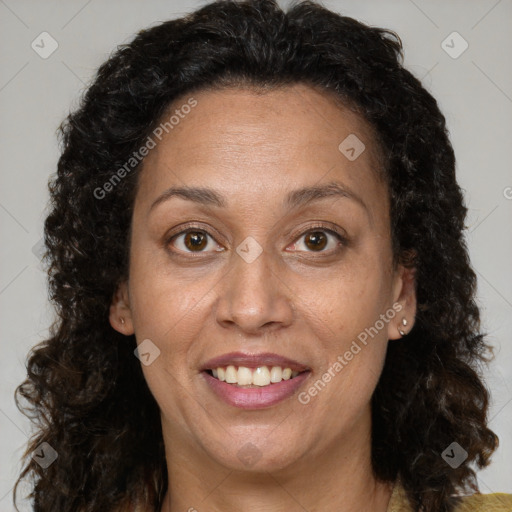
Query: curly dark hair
point(85, 390)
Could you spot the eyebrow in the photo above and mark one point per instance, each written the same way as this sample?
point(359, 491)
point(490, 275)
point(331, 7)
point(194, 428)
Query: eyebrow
point(294, 199)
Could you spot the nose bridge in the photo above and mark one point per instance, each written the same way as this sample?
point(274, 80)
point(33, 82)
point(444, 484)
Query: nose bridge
point(253, 296)
point(252, 267)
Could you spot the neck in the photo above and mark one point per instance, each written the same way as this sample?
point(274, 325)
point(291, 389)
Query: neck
point(339, 479)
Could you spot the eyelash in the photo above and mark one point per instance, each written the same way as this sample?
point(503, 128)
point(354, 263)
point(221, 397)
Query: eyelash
point(190, 228)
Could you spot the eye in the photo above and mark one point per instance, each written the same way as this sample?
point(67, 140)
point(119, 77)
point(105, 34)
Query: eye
point(193, 240)
point(317, 239)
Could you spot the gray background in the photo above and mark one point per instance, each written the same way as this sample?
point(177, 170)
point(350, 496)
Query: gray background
point(474, 91)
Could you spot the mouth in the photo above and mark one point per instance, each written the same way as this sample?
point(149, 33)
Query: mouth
point(254, 381)
point(253, 370)
point(245, 377)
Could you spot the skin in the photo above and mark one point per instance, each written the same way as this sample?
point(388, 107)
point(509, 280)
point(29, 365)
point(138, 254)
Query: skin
point(296, 300)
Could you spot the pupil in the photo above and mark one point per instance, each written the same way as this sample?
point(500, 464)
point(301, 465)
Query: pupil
point(318, 238)
point(197, 240)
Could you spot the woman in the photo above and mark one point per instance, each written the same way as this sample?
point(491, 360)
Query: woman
point(264, 294)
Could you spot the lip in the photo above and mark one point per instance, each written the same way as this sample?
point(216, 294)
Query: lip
point(253, 361)
point(255, 398)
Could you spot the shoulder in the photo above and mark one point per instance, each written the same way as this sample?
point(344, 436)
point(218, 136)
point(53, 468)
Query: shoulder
point(498, 502)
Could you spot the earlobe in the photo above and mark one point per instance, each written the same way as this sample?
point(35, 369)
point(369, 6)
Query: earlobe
point(405, 304)
point(120, 313)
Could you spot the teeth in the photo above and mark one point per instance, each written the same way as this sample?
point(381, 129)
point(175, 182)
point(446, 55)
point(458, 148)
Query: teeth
point(276, 374)
point(248, 377)
point(231, 375)
point(244, 376)
point(287, 373)
point(260, 377)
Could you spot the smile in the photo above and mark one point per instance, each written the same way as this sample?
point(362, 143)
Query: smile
point(254, 396)
point(261, 376)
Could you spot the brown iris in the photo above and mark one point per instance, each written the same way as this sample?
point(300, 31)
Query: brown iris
point(317, 239)
point(195, 240)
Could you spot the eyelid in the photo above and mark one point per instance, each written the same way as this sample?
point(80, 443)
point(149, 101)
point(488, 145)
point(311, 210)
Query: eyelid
point(191, 226)
point(321, 226)
point(187, 228)
point(333, 230)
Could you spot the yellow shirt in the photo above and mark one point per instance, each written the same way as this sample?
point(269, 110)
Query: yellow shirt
point(498, 502)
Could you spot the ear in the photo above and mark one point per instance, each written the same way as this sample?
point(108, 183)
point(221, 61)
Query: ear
point(404, 303)
point(120, 313)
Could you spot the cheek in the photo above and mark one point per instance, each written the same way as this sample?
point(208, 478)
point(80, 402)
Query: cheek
point(168, 309)
point(345, 313)
point(349, 300)
point(355, 347)
point(160, 295)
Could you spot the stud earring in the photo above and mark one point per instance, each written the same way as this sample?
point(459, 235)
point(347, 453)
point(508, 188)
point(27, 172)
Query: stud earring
point(404, 323)
point(122, 320)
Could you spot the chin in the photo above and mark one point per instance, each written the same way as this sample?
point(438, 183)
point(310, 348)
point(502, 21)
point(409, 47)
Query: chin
point(257, 456)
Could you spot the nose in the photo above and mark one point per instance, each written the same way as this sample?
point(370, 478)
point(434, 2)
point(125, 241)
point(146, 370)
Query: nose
point(254, 298)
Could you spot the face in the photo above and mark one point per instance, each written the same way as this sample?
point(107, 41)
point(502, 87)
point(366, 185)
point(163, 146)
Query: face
point(253, 264)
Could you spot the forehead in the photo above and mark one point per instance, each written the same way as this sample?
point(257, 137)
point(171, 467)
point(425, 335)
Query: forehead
point(249, 142)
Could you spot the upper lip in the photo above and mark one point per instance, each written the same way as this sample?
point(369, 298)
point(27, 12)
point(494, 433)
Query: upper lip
point(253, 361)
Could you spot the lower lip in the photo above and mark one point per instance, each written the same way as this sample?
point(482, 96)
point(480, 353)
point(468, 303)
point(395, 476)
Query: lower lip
point(255, 398)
